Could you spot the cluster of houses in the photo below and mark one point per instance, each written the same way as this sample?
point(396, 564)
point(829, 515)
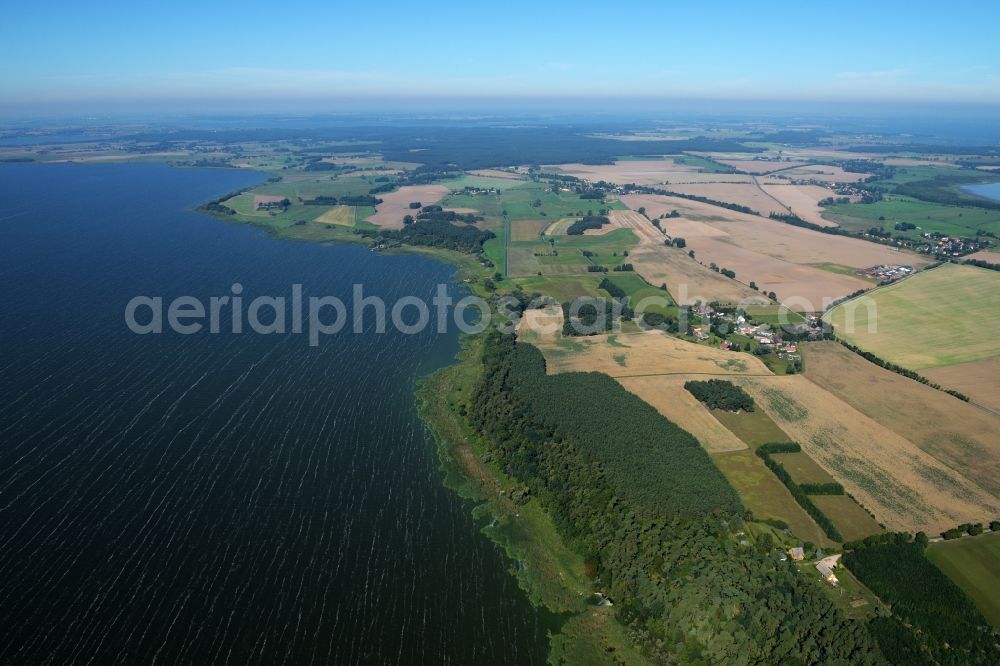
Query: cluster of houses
point(886, 272)
point(951, 246)
point(767, 340)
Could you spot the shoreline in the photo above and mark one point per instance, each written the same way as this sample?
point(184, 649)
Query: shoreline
point(547, 570)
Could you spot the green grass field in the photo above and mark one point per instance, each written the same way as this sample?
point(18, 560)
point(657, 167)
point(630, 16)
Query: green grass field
point(761, 492)
point(562, 287)
point(943, 316)
point(754, 428)
point(519, 203)
point(773, 314)
point(803, 468)
point(928, 217)
point(638, 289)
point(973, 563)
point(851, 520)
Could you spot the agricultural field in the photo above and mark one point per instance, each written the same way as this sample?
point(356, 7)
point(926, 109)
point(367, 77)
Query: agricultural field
point(905, 487)
point(743, 194)
point(986, 255)
point(945, 316)
point(342, 215)
point(791, 261)
point(960, 435)
point(641, 295)
point(976, 379)
point(768, 498)
point(928, 217)
point(527, 230)
point(803, 468)
point(754, 428)
point(709, 178)
point(531, 201)
point(667, 395)
point(801, 200)
point(774, 314)
point(638, 224)
point(646, 353)
point(652, 365)
point(559, 227)
point(754, 166)
point(852, 521)
point(823, 173)
point(389, 214)
point(687, 280)
point(562, 288)
point(564, 255)
point(973, 563)
point(640, 172)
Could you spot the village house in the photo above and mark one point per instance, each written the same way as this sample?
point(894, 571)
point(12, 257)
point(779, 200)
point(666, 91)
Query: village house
point(797, 554)
point(826, 567)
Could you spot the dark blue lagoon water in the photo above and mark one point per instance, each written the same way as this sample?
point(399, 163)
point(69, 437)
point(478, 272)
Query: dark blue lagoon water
point(988, 190)
point(220, 498)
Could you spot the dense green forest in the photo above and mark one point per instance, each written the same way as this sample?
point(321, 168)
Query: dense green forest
point(436, 233)
point(949, 628)
point(720, 394)
point(656, 520)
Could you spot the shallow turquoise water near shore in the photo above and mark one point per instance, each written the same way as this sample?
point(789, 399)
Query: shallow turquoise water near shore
point(220, 498)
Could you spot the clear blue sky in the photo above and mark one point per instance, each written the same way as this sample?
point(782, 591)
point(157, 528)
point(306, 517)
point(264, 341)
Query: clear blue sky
point(59, 52)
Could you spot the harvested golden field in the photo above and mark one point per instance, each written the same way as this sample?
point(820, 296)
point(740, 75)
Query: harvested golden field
point(958, 434)
point(986, 255)
point(802, 200)
point(706, 178)
point(943, 316)
point(559, 227)
point(905, 487)
point(824, 173)
point(980, 380)
point(743, 194)
point(645, 353)
point(686, 279)
point(802, 288)
point(389, 214)
point(640, 172)
point(756, 166)
point(497, 173)
point(791, 261)
point(639, 224)
point(540, 325)
point(668, 396)
point(526, 230)
point(342, 215)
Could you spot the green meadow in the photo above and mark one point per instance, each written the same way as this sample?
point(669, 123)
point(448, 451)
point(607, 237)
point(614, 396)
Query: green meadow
point(973, 563)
